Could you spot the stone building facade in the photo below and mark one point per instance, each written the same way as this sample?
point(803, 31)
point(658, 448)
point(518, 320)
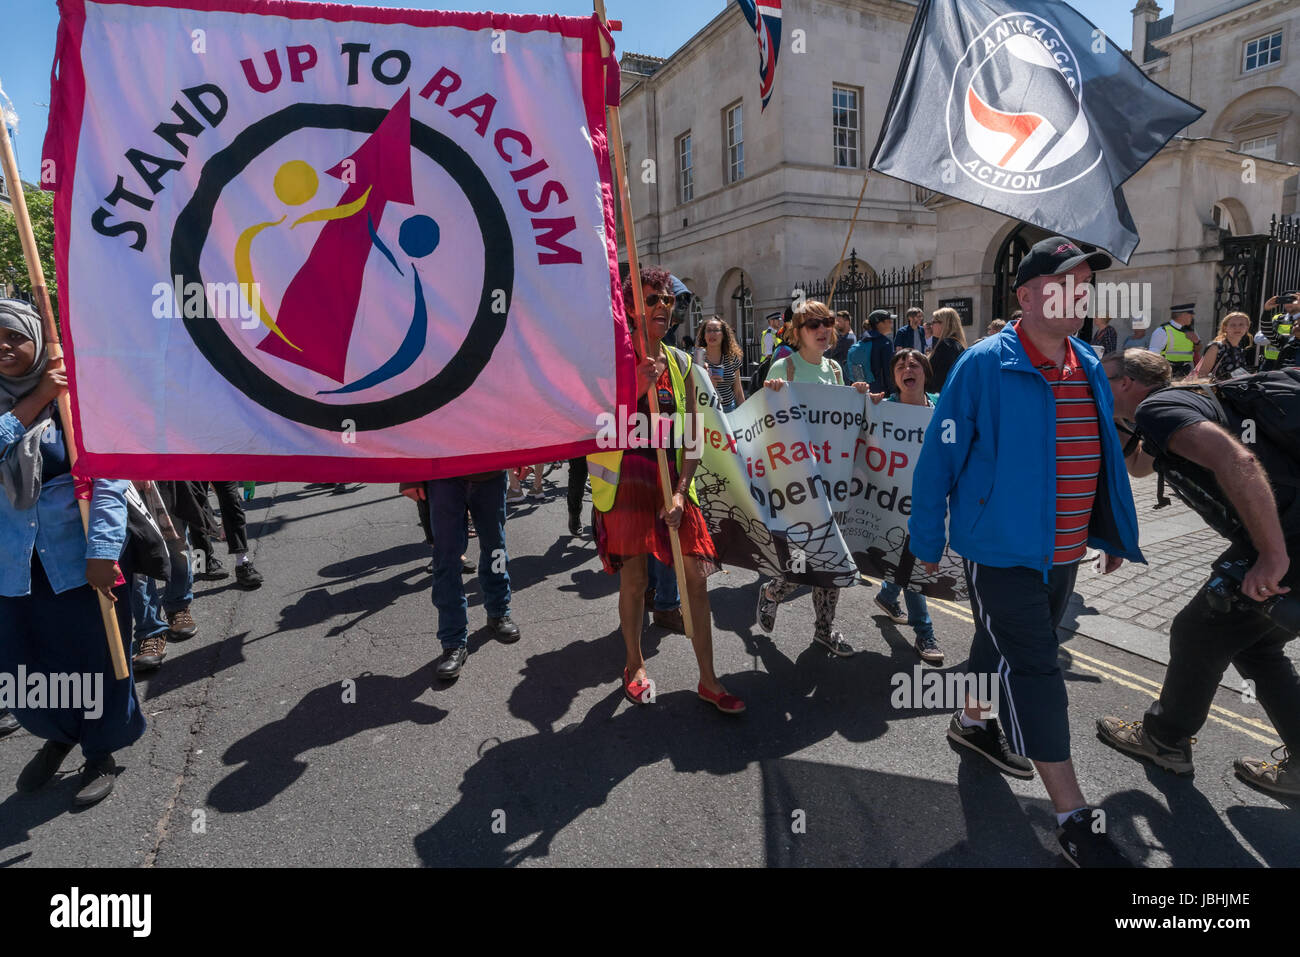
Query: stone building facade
point(746, 208)
point(1229, 173)
point(782, 218)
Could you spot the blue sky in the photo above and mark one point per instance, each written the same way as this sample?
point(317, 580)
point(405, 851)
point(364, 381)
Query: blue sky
point(657, 28)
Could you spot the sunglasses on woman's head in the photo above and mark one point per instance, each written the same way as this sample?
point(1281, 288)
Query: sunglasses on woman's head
point(815, 324)
point(654, 299)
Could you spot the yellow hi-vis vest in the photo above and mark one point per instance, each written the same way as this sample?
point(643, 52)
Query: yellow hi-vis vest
point(1282, 326)
point(1178, 345)
point(603, 467)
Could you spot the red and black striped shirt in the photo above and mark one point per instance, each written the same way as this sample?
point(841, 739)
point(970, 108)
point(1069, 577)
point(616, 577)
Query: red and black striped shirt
point(1078, 449)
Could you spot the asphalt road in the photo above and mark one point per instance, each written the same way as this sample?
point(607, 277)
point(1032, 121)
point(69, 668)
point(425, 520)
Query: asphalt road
point(254, 757)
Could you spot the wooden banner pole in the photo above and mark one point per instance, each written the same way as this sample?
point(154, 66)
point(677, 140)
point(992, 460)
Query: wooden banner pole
point(614, 128)
point(54, 348)
point(835, 280)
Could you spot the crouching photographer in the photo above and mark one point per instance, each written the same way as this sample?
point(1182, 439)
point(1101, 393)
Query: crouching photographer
point(1249, 492)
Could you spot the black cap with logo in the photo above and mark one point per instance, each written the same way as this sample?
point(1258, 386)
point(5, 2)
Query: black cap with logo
point(880, 315)
point(1055, 256)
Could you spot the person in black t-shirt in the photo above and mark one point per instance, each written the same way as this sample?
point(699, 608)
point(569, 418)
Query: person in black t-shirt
point(1192, 441)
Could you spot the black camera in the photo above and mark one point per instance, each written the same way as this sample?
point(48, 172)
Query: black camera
point(1224, 591)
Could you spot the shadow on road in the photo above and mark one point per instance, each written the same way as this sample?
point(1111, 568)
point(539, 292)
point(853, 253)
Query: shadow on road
point(270, 756)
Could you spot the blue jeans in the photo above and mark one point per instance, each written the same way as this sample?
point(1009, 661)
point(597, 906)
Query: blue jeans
point(486, 502)
point(664, 581)
point(149, 603)
point(918, 615)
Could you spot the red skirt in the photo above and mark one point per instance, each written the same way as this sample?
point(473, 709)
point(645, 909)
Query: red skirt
point(633, 526)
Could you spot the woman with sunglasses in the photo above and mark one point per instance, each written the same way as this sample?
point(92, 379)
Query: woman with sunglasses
point(814, 329)
point(949, 344)
point(909, 369)
point(722, 356)
point(628, 516)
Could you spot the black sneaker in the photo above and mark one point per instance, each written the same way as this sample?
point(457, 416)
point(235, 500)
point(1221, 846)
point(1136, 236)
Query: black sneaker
point(1085, 847)
point(928, 648)
point(38, 771)
point(8, 723)
point(991, 743)
point(96, 781)
point(575, 525)
point(835, 644)
point(213, 570)
point(893, 610)
point(505, 629)
point(246, 576)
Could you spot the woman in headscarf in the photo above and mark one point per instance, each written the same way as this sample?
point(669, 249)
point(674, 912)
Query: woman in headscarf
point(50, 570)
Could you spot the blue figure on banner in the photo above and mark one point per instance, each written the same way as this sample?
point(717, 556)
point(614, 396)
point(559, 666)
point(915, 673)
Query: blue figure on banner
point(417, 238)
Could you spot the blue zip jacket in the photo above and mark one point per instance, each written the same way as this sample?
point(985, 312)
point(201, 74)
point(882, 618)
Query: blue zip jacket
point(995, 481)
point(869, 361)
point(52, 528)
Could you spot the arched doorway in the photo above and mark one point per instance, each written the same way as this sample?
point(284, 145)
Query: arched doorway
point(1007, 262)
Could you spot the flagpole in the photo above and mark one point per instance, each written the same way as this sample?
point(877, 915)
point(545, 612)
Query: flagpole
point(615, 130)
point(54, 349)
point(835, 279)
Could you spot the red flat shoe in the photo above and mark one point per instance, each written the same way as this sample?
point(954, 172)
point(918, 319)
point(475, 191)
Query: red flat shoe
point(638, 692)
point(724, 702)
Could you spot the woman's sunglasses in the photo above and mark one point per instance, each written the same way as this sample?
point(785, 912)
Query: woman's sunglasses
point(654, 299)
point(815, 324)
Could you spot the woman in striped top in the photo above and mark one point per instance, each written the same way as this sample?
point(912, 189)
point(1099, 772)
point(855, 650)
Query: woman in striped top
point(722, 356)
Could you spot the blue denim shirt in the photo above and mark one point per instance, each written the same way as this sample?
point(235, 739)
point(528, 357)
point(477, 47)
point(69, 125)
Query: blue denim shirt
point(53, 528)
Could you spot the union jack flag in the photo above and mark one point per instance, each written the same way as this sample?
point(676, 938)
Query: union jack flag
point(764, 18)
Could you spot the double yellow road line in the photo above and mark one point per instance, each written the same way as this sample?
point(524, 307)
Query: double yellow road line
point(1105, 670)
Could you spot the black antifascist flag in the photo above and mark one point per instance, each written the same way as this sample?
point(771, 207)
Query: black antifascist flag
point(1024, 107)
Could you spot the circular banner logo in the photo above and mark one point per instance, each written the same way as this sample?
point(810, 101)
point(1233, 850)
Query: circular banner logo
point(355, 307)
point(1015, 113)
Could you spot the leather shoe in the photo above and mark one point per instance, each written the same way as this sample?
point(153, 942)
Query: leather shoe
point(449, 665)
point(44, 766)
point(96, 781)
point(670, 619)
point(505, 629)
point(575, 524)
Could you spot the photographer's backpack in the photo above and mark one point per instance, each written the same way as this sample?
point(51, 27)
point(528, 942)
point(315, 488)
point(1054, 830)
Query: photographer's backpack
point(1263, 411)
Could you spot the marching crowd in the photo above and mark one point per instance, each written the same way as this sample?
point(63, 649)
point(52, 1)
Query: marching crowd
point(1035, 482)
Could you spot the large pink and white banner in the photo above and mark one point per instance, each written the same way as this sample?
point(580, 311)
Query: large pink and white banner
point(308, 241)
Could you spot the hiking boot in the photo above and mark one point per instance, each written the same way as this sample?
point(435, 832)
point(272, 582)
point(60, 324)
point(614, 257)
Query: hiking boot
point(96, 781)
point(670, 619)
point(835, 644)
point(1276, 777)
point(246, 576)
point(181, 624)
point(151, 654)
point(766, 616)
point(38, 771)
point(893, 610)
point(1131, 738)
point(992, 744)
point(1085, 847)
point(929, 649)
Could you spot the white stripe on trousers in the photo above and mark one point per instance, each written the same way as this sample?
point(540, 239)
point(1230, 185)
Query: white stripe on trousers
point(1004, 669)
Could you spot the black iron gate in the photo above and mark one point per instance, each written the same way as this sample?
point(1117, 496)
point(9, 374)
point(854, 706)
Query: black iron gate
point(862, 293)
point(1256, 268)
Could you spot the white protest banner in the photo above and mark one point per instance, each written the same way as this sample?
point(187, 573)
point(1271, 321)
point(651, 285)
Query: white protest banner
point(311, 241)
point(814, 483)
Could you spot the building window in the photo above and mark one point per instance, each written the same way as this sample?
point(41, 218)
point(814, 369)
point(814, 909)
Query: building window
point(844, 125)
point(1263, 51)
point(1265, 147)
point(733, 123)
point(685, 170)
